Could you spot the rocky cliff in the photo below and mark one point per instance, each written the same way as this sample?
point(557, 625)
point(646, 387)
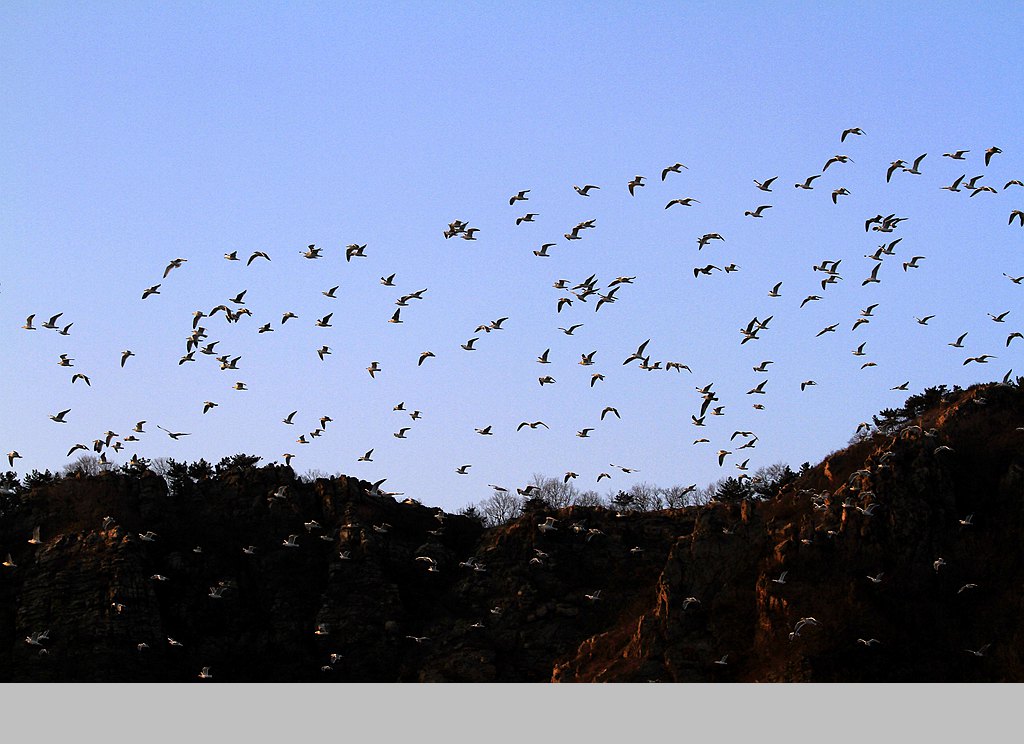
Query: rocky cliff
point(897, 558)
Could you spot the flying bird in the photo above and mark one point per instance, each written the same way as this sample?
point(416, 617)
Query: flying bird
point(674, 168)
point(585, 190)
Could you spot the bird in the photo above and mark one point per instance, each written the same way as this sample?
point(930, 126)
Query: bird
point(174, 264)
point(532, 425)
point(914, 168)
point(674, 168)
point(1016, 214)
point(956, 155)
point(468, 346)
point(255, 255)
point(485, 431)
point(291, 541)
point(610, 409)
point(766, 184)
point(325, 322)
point(373, 369)
point(869, 642)
point(585, 190)
point(873, 279)
point(955, 186)
point(125, 354)
point(155, 289)
point(569, 331)
point(876, 579)
point(965, 587)
point(59, 417)
point(28, 323)
point(807, 182)
point(52, 322)
point(990, 152)
point(827, 329)
point(723, 661)
point(207, 405)
point(584, 432)
point(353, 250)
point(912, 263)
point(983, 359)
point(893, 167)
point(959, 343)
point(13, 455)
point(758, 212)
point(836, 159)
point(400, 434)
point(841, 191)
point(366, 457)
point(852, 130)
point(543, 252)
point(548, 525)
point(637, 181)
point(594, 597)
point(782, 578)
point(999, 318)
point(9, 562)
point(688, 201)
point(775, 290)
point(519, 196)
point(528, 217)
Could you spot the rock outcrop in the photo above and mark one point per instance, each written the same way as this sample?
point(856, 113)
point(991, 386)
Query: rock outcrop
point(896, 559)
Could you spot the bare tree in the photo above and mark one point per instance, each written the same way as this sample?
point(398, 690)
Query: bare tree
point(557, 492)
point(86, 465)
point(499, 508)
point(646, 497)
point(589, 498)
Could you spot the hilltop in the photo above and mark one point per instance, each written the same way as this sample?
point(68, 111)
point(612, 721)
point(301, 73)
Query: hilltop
point(909, 535)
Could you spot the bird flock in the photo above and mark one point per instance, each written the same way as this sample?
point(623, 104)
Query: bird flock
point(225, 334)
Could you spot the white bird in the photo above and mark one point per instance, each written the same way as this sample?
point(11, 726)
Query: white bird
point(547, 525)
point(291, 541)
point(594, 597)
point(782, 578)
point(34, 540)
point(980, 652)
point(9, 562)
point(205, 673)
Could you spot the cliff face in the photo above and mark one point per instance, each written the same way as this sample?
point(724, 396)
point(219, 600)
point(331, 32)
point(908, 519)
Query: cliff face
point(665, 596)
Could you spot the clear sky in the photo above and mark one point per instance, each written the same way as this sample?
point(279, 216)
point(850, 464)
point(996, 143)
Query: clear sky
point(137, 133)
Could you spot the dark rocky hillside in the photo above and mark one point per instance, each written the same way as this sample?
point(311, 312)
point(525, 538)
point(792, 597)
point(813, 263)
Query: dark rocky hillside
point(604, 597)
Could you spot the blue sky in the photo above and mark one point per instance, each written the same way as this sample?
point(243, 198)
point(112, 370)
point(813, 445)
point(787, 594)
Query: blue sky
point(136, 133)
